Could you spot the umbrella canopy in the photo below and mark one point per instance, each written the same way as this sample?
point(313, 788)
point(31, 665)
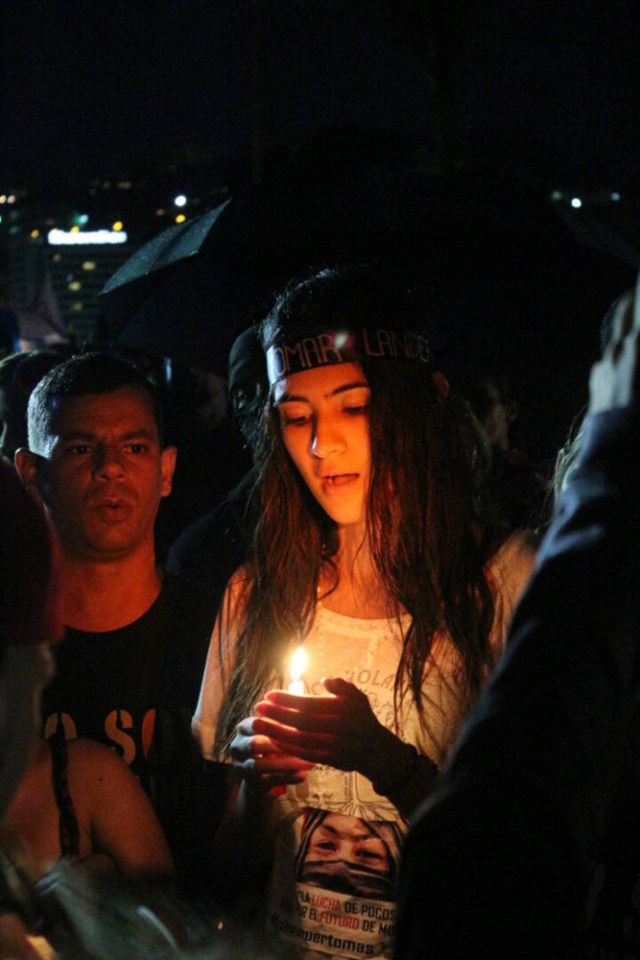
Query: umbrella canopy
point(129, 286)
point(189, 291)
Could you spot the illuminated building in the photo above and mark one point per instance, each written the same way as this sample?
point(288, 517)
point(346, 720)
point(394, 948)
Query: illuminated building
point(78, 262)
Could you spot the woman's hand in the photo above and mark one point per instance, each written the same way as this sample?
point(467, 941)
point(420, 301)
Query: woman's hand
point(339, 730)
point(261, 762)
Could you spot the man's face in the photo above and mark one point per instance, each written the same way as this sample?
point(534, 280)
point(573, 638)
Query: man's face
point(102, 474)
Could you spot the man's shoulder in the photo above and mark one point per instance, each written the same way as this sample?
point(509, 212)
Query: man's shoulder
point(185, 601)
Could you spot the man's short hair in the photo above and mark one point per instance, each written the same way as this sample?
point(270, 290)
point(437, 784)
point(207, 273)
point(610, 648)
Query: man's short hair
point(19, 374)
point(84, 375)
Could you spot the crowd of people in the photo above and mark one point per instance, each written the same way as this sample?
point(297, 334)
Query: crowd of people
point(348, 710)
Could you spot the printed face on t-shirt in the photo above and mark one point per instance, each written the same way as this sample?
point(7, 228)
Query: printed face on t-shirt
point(347, 855)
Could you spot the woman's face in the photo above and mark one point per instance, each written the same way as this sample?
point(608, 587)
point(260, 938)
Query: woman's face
point(325, 428)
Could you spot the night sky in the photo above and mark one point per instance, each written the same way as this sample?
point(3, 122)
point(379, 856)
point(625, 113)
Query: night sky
point(546, 94)
point(94, 85)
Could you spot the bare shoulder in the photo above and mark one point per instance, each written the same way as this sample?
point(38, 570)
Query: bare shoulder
point(40, 757)
point(93, 760)
point(517, 553)
point(510, 567)
point(238, 585)
point(234, 600)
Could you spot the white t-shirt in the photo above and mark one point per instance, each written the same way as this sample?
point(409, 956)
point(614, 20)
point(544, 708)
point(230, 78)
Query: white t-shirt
point(338, 842)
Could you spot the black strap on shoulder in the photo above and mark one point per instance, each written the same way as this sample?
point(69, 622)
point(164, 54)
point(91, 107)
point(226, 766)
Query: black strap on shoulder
point(68, 822)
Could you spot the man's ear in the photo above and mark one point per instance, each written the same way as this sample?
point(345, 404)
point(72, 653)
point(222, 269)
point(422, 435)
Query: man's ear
point(441, 383)
point(27, 465)
point(168, 459)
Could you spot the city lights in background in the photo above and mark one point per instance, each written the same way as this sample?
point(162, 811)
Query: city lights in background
point(594, 198)
point(71, 237)
point(73, 224)
point(83, 240)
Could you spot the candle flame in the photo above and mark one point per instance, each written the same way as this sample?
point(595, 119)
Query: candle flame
point(299, 662)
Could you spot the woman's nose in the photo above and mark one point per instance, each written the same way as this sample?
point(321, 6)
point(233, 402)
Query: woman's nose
point(327, 439)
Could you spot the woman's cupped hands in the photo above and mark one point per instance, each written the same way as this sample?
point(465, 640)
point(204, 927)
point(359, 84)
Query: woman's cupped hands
point(289, 734)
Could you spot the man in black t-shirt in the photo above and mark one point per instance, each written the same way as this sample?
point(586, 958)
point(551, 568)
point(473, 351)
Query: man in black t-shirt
point(129, 667)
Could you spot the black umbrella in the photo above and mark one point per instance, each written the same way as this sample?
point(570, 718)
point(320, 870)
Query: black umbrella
point(188, 292)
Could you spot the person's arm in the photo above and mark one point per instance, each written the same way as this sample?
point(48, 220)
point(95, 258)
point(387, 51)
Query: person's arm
point(499, 861)
point(114, 810)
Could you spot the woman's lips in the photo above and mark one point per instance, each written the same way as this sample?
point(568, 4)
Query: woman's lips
point(339, 480)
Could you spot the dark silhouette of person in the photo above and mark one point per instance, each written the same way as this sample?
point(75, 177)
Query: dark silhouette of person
point(209, 550)
point(505, 861)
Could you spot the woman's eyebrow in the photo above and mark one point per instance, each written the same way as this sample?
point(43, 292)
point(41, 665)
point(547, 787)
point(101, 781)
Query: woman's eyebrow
point(291, 398)
point(348, 386)
point(343, 388)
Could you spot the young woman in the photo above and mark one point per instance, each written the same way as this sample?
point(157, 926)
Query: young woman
point(371, 553)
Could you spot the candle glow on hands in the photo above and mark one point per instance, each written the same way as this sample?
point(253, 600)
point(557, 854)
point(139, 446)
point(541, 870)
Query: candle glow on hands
point(297, 666)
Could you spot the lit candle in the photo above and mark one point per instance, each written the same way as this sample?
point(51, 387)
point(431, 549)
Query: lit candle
point(299, 662)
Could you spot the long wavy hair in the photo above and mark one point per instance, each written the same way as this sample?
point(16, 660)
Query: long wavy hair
point(429, 541)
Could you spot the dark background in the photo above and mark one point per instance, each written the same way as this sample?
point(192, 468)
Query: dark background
point(445, 126)
point(542, 88)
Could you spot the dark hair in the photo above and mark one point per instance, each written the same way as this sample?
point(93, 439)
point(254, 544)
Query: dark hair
point(19, 374)
point(425, 541)
point(25, 561)
point(246, 358)
point(84, 375)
